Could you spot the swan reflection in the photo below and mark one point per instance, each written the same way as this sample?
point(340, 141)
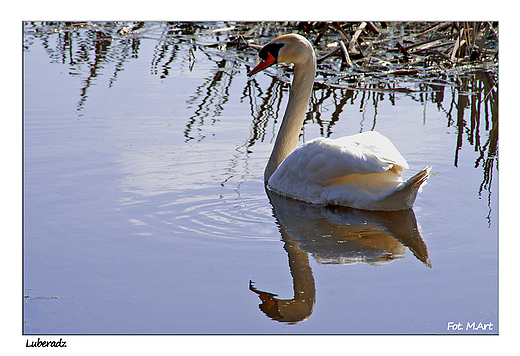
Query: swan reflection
point(335, 235)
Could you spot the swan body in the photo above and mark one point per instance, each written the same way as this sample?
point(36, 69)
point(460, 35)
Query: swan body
point(362, 171)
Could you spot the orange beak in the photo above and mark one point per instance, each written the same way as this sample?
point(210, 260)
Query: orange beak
point(269, 61)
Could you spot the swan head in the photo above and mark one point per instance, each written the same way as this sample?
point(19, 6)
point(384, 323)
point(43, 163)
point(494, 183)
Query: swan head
point(290, 48)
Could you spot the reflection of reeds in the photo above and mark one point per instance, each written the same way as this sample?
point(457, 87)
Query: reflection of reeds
point(264, 106)
point(211, 97)
point(167, 48)
point(85, 45)
point(489, 97)
point(479, 93)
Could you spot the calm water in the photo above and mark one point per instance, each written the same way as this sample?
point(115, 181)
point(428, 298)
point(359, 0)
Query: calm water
point(145, 209)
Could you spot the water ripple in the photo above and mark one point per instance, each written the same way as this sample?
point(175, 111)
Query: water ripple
point(220, 216)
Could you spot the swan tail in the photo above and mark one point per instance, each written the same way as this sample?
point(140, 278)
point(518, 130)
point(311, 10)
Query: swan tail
point(404, 196)
point(412, 186)
point(420, 178)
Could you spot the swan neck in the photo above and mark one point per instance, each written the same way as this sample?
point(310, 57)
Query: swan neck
point(299, 96)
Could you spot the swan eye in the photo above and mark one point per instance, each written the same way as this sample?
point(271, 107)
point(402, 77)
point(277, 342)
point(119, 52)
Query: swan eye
point(272, 48)
point(268, 55)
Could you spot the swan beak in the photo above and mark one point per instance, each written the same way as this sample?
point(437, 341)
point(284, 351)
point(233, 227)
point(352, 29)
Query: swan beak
point(269, 61)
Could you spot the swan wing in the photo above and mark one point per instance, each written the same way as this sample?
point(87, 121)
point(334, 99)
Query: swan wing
point(323, 161)
point(376, 149)
point(323, 169)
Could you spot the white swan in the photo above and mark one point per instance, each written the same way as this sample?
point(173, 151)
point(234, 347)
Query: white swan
point(362, 171)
